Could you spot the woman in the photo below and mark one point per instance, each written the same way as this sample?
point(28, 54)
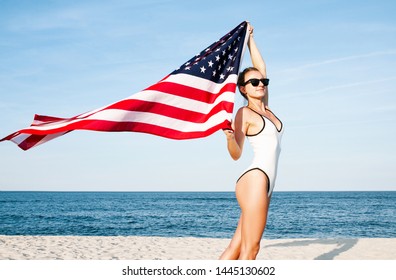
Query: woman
point(264, 132)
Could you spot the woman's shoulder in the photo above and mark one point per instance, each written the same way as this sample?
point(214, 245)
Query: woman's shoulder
point(244, 110)
point(247, 114)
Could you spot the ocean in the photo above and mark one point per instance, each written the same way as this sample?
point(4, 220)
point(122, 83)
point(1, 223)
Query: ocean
point(196, 214)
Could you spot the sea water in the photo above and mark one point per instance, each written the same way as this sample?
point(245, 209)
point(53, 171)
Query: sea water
point(196, 214)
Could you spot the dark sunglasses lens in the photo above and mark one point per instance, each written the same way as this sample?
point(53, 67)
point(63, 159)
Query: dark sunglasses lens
point(265, 81)
point(255, 82)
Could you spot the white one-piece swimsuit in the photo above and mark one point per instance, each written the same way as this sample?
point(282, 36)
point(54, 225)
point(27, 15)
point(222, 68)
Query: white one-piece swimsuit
point(266, 148)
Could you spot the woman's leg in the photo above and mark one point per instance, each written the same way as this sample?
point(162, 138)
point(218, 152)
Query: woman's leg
point(234, 248)
point(252, 195)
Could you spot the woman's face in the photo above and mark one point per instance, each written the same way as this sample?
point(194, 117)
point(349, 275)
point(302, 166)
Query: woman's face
point(251, 91)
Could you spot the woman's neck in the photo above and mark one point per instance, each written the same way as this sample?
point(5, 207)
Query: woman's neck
point(257, 105)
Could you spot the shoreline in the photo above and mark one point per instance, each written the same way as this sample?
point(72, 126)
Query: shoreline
point(188, 248)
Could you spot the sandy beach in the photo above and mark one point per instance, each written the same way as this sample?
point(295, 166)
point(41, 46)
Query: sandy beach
point(187, 248)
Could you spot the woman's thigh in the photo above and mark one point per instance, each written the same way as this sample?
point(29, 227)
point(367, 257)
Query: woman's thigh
point(252, 195)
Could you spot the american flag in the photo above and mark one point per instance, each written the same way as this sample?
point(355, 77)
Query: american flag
point(193, 101)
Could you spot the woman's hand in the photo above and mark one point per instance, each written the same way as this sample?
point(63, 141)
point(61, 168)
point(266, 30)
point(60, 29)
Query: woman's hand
point(250, 29)
point(229, 134)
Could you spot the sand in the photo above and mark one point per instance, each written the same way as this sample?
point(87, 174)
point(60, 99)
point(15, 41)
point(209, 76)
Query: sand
point(187, 248)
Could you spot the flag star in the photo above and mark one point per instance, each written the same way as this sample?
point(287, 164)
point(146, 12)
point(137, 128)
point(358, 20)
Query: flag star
point(219, 67)
point(187, 68)
point(229, 69)
point(217, 57)
point(203, 69)
point(236, 49)
point(230, 56)
point(210, 63)
point(187, 63)
point(217, 50)
point(229, 47)
point(214, 73)
point(222, 76)
point(224, 52)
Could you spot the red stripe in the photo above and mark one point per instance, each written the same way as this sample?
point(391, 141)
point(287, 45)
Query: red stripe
point(191, 92)
point(99, 125)
point(33, 140)
point(30, 142)
point(41, 118)
point(105, 126)
point(9, 137)
point(175, 134)
point(171, 111)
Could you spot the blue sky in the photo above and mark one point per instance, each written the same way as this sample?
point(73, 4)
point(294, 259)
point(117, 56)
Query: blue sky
point(333, 84)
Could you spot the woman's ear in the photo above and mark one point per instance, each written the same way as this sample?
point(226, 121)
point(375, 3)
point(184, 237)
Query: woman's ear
point(242, 89)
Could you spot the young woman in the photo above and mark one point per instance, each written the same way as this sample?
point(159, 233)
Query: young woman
point(264, 131)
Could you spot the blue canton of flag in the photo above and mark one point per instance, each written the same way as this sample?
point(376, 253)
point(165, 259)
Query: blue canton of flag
point(220, 59)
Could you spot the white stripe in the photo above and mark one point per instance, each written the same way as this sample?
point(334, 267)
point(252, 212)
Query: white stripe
point(23, 136)
point(49, 137)
point(36, 122)
point(20, 138)
point(160, 120)
point(116, 115)
point(182, 102)
point(200, 83)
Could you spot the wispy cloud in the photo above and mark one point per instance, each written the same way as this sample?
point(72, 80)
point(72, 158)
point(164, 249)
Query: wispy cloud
point(340, 59)
point(339, 87)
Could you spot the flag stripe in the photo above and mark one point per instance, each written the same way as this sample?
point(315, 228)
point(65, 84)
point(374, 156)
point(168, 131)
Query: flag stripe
point(169, 101)
point(107, 117)
point(192, 87)
point(35, 140)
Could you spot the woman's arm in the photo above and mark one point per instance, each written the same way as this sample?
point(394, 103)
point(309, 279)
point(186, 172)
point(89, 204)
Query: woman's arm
point(236, 138)
point(257, 60)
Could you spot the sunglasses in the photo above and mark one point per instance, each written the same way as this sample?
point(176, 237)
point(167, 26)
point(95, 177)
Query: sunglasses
point(256, 82)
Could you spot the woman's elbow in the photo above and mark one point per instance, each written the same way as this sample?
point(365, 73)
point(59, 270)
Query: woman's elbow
point(235, 156)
